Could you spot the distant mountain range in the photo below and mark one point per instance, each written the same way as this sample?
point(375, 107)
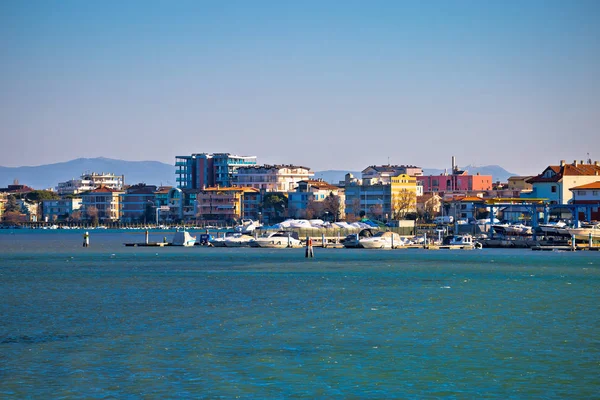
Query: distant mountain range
point(158, 173)
point(48, 176)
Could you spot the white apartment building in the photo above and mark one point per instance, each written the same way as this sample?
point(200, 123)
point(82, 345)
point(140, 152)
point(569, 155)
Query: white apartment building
point(272, 178)
point(90, 181)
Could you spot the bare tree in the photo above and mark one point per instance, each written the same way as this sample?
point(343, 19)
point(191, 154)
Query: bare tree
point(356, 207)
point(332, 205)
point(311, 208)
point(76, 216)
point(376, 211)
point(404, 202)
point(292, 212)
point(92, 214)
point(13, 217)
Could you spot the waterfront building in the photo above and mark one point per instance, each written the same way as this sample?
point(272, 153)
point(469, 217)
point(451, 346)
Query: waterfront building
point(220, 203)
point(457, 181)
point(519, 183)
point(465, 208)
point(588, 194)
point(384, 173)
point(311, 199)
point(272, 178)
point(61, 209)
point(90, 181)
point(251, 204)
point(161, 196)
point(138, 203)
point(32, 209)
point(556, 181)
point(16, 189)
point(3, 201)
point(203, 170)
point(429, 204)
point(175, 204)
point(380, 200)
point(103, 203)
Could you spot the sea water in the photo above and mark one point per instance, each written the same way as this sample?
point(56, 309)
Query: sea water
point(111, 321)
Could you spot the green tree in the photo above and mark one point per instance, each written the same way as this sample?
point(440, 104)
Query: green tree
point(274, 205)
point(12, 204)
point(39, 195)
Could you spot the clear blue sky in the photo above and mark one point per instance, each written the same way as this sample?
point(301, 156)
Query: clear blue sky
point(325, 84)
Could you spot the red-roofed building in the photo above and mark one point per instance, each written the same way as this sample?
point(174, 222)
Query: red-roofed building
point(556, 182)
point(588, 194)
point(102, 202)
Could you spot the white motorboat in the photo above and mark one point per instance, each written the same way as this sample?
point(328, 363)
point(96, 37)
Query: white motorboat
point(238, 240)
point(247, 226)
point(382, 240)
point(220, 241)
point(457, 240)
point(586, 231)
point(461, 241)
point(279, 239)
point(512, 229)
point(183, 238)
point(552, 228)
point(352, 241)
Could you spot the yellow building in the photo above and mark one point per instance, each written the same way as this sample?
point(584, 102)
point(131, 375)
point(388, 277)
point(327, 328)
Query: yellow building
point(519, 183)
point(3, 200)
point(403, 190)
point(102, 203)
point(382, 200)
point(220, 204)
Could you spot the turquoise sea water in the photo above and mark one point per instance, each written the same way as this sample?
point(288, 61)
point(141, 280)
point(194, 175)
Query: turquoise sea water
point(110, 321)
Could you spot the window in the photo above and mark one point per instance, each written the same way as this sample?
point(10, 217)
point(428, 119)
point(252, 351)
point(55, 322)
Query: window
point(595, 192)
point(553, 189)
point(581, 192)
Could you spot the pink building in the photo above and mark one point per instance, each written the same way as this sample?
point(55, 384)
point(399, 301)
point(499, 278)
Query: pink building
point(459, 181)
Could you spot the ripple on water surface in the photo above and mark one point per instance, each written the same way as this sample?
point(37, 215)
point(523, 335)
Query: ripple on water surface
point(111, 321)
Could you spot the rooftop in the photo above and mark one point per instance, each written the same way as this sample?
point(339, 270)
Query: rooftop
point(593, 186)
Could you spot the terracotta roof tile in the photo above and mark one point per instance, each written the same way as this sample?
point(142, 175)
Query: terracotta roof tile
point(593, 185)
point(566, 170)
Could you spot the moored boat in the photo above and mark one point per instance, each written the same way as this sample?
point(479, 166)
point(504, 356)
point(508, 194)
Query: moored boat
point(279, 239)
point(586, 231)
point(382, 240)
point(183, 238)
point(238, 240)
point(352, 241)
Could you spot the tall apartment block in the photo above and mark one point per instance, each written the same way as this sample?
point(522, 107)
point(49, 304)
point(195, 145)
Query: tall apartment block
point(203, 170)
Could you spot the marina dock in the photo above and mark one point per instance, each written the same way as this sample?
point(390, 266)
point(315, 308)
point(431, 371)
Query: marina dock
point(150, 244)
